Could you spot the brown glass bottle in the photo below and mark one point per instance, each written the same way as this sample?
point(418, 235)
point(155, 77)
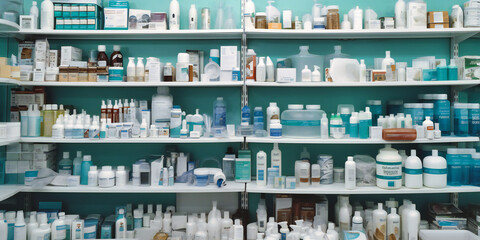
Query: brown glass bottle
point(116, 59)
point(102, 58)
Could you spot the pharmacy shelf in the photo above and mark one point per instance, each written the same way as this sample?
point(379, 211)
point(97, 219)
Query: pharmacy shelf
point(356, 140)
point(7, 191)
point(9, 81)
point(361, 34)
point(133, 84)
point(8, 26)
point(177, 188)
point(465, 83)
point(129, 34)
point(339, 188)
point(5, 142)
point(131, 140)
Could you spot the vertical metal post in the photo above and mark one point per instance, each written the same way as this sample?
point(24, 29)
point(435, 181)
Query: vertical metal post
point(243, 58)
point(454, 199)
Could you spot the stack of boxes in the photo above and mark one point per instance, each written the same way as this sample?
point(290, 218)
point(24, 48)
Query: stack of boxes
point(472, 13)
point(25, 159)
point(438, 19)
point(77, 16)
point(8, 71)
point(20, 99)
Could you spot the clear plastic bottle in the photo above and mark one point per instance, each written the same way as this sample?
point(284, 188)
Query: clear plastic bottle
point(219, 115)
point(131, 70)
point(140, 70)
point(65, 165)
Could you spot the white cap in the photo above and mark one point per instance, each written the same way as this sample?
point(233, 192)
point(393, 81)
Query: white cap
point(295, 106)
point(214, 53)
point(93, 168)
point(183, 58)
point(313, 107)
point(102, 48)
point(107, 168)
point(220, 98)
point(66, 155)
point(374, 102)
point(439, 96)
point(273, 104)
point(428, 105)
point(474, 105)
point(116, 48)
point(34, 3)
point(121, 168)
point(87, 158)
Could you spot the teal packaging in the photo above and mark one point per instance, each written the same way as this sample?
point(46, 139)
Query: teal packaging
point(454, 167)
point(364, 129)
point(416, 111)
point(83, 24)
point(106, 230)
point(175, 122)
point(243, 166)
point(2, 170)
point(90, 228)
point(475, 170)
point(75, 23)
point(91, 24)
point(59, 23)
point(137, 223)
point(30, 175)
point(66, 10)
point(91, 10)
point(10, 230)
point(474, 119)
point(452, 70)
point(58, 12)
point(393, 107)
point(466, 164)
point(82, 10)
point(376, 110)
point(118, 3)
point(429, 74)
point(460, 119)
point(442, 73)
point(74, 10)
point(441, 112)
point(428, 110)
point(354, 130)
point(115, 74)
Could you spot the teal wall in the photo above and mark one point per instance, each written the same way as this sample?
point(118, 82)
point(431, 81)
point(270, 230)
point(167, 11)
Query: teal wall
point(329, 98)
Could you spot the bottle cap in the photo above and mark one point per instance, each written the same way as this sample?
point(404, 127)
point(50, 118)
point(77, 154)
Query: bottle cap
point(116, 48)
point(102, 48)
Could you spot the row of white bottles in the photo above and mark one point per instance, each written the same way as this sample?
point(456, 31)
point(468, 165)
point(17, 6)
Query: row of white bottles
point(33, 230)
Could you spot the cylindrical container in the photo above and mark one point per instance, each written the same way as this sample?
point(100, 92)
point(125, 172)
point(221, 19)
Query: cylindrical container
point(389, 168)
point(315, 174)
point(428, 110)
point(435, 170)
point(376, 110)
point(261, 20)
point(460, 119)
point(441, 112)
point(106, 177)
point(205, 18)
point(333, 17)
point(304, 174)
point(474, 119)
point(416, 111)
point(475, 170)
point(339, 175)
point(300, 123)
point(326, 168)
point(394, 107)
point(271, 174)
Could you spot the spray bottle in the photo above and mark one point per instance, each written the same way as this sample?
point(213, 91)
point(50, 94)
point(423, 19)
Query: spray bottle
point(284, 230)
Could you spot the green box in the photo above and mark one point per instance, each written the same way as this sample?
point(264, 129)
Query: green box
point(66, 10)
point(59, 23)
point(58, 10)
point(74, 10)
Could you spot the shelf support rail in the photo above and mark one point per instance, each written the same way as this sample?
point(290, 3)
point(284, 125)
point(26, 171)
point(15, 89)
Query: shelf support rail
point(456, 40)
point(454, 199)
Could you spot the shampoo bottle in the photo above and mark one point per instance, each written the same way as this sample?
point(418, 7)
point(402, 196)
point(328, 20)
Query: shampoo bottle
point(306, 74)
point(413, 171)
point(350, 176)
point(174, 15)
point(261, 168)
point(192, 17)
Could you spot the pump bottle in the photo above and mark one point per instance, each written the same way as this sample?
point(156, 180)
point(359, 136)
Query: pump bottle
point(306, 74)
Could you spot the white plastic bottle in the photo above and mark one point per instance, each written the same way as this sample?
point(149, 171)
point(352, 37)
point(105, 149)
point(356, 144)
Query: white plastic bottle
point(249, 15)
point(269, 70)
point(226, 224)
point(344, 218)
point(34, 120)
point(59, 229)
point(192, 18)
point(181, 70)
point(435, 171)
point(191, 227)
point(306, 74)
point(324, 126)
point(140, 70)
point(273, 112)
point(379, 220)
point(213, 228)
point(120, 176)
point(357, 222)
point(429, 129)
point(121, 224)
point(261, 216)
point(144, 128)
point(276, 158)
point(43, 231)
point(34, 13)
point(174, 15)
point(261, 168)
point(3, 227)
point(387, 61)
point(131, 70)
point(32, 224)
point(393, 224)
point(58, 129)
point(261, 70)
point(20, 232)
point(331, 233)
point(350, 176)
point(413, 171)
point(47, 21)
point(93, 176)
point(316, 75)
point(363, 71)
point(237, 230)
point(456, 17)
point(167, 223)
point(413, 223)
point(201, 233)
point(400, 14)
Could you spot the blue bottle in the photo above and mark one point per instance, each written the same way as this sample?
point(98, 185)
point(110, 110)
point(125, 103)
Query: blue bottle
point(376, 109)
point(474, 119)
point(258, 119)
point(460, 121)
point(475, 170)
point(86, 163)
point(354, 125)
point(394, 107)
point(441, 112)
point(454, 167)
point(364, 119)
point(246, 113)
point(442, 72)
point(416, 111)
point(219, 113)
point(466, 164)
point(452, 70)
point(428, 110)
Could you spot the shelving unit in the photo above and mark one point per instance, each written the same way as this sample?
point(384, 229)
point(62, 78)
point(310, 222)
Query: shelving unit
point(7, 26)
point(464, 83)
point(134, 84)
point(339, 188)
point(5, 142)
point(7, 191)
point(9, 81)
point(131, 140)
point(357, 141)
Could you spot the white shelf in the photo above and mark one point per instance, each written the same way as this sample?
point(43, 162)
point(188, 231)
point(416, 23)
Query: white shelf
point(361, 34)
point(5, 142)
point(131, 140)
point(8, 26)
point(177, 188)
point(132, 84)
point(9, 81)
point(356, 140)
point(7, 191)
point(366, 84)
point(339, 188)
point(131, 34)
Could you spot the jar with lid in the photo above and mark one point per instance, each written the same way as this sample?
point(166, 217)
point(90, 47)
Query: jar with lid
point(389, 168)
point(106, 177)
point(333, 17)
point(168, 72)
point(261, 20)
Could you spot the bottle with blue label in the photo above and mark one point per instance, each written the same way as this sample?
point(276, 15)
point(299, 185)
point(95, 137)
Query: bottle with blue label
point(441, 112)
point(175, 121)
point(474, 119)
point(246, 115)
point(354, 125)
point(345, 111)
point(428, 110)
point(376, 108)
point(416, 111)
point(364, 123)
point(258, 119)
point(452, 70)
point(435, 170)
point(454, 167)
point(460, 119)
point(219, 120)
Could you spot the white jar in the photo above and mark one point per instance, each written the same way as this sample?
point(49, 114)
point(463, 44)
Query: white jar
point(121, 176)
point(106, 177)
point(93, 176)
point(435, 171)
point(275, 129)
point(304, 173)
point(389, 168)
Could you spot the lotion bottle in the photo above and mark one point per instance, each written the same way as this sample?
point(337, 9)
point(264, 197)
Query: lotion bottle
point(192, 17)
point(306, 74)
point(435, 171)
point(357, 222)
point(350, 176)
point(32, 224)
point(4, 227)
point(273, 112)
point(261, 168)
point(270, 70)
point(43, 232)
point(393, 224)
point(413, 171)
point(316, 75)
point(276, 158)
point(261, 70)
point(380, 221)
point(20, 232)
point(174, 15)
point(59, 230)
point(47, 21)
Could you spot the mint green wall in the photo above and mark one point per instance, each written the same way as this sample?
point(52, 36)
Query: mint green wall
point(402, 50)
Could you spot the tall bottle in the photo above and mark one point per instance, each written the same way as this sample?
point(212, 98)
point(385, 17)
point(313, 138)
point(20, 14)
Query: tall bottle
point(131, 70)
point(43, 231)
point(192, 17)
point(116, 59)
point(47, 21)
point(102, 58)
point(86, 163)
point(174, 15)
point(261, 70)
point(20, 232)
point(121, 224)
point(393, 225)
point(413, 223)
point(380, 221)
point(59, 229)
point(350, 176)
point(219, 113)
point(344, 218)
point(77, 164)
point(226, 224)
point(273, 112)
point(400, 14)
point(34, 121)
point(32, 224)
point(276, 158)
point(249, 15)
point(413, 171)
point(140, 70)
point(34, 13)
point(175, 122)
point(3, 227)
point(261, 168)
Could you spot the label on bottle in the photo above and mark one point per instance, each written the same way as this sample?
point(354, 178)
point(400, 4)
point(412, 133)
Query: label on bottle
point(261, 175)
point(167, 71)
point(351, 175)
point(438, 170)
point(65, 169)
point(106, 182)
point(137, 222)
point(275, 132)
point(45, 237)
point(389, 170)
point(412, 171)
point(61, 232)
point(102, 63)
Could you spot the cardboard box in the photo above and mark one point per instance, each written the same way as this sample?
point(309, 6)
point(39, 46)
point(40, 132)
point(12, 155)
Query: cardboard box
point(70, 54)
point(283, 208)
point(437, 17)
point(44, 147)
point(439, 25)
point(42, 49)
point(25, 53)
point(286, 75)
point(116, 18)
point(228, 58)
point(469, 67)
